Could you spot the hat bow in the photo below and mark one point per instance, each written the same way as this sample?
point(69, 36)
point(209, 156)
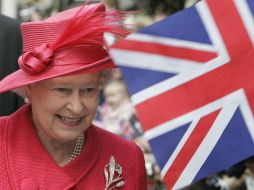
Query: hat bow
point(36, 61)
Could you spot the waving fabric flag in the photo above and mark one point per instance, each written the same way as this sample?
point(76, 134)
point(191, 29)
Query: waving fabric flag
point(191, 79)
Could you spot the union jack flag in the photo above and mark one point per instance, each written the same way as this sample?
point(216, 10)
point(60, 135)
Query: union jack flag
point(191, 79)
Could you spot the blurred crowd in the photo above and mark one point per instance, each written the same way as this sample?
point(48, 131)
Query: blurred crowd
point(116, 112)
point(237, 177)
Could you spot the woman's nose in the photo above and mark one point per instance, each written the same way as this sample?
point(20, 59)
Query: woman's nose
point(75, 104)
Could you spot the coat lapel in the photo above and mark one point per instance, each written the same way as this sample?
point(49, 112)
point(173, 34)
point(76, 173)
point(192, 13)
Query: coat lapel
point(81, 166)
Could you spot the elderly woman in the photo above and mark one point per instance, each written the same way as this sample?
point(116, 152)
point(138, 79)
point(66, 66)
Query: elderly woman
point(51, 143)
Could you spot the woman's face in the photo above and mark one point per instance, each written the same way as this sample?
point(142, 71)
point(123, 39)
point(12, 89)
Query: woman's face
point(64, 107)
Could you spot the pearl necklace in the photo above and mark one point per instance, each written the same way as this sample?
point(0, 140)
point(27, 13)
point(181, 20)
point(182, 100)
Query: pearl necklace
point(76, 150)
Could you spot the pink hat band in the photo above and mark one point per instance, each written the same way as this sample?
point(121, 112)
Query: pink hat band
point(43, 56)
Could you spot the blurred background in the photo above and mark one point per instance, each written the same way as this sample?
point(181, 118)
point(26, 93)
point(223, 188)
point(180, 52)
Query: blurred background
point(150, 10)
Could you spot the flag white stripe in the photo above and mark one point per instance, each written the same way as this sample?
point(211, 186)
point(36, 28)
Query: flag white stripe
point(179, 146)
point(152, 62)
point(247, 17)
point(171, 42)
point(213, 32)
point(172, 82)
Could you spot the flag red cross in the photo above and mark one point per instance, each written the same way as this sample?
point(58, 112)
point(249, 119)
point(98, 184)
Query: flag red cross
point(234, 75)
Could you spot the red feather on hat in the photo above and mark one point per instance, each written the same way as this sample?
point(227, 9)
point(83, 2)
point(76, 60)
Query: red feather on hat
point(88, 25)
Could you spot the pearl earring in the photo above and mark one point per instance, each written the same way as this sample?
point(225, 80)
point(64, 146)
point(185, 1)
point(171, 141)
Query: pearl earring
point(27, 100)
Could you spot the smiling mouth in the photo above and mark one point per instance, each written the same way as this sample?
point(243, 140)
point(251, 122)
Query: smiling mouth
point(70, 121)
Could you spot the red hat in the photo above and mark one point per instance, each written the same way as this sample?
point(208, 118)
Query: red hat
point(70, 42)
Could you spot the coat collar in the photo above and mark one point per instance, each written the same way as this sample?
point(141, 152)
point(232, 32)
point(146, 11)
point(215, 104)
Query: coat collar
point(29, 162)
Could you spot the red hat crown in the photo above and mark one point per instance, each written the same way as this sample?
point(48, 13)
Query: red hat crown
point(68, 42)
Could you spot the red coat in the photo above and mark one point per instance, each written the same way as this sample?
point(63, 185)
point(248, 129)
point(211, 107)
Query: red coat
point(26, 165)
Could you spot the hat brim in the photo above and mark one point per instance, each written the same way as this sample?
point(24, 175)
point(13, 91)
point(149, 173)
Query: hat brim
point(20, 78)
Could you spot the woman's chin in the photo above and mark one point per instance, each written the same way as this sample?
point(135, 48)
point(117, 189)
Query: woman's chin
point(67, 136)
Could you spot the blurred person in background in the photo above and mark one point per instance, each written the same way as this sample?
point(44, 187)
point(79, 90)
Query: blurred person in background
point(154, 180)
point(244, 176)
point(248, 175)
point(117, 112)
point(10, 49)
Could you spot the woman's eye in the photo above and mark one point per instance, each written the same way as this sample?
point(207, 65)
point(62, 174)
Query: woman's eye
point(62, 91)
point(88, 91)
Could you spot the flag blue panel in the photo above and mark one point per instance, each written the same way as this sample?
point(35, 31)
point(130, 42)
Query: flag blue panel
point(171, 140)
point(148, 78)
point(251, 5)
point(173, 27)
